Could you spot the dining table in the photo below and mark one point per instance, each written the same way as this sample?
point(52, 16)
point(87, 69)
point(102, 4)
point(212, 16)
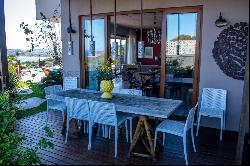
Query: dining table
point(142, 106)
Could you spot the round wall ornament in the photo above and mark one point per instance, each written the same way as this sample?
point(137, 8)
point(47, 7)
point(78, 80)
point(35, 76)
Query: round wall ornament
point(230, 50)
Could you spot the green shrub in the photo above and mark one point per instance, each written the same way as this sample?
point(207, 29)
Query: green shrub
point(22, 84)
point(13, 78)
point(54, 78)
point(38, 90)
point(11, 150)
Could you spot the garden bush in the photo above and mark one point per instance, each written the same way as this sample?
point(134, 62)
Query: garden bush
point(54, 78)
point(11, 150)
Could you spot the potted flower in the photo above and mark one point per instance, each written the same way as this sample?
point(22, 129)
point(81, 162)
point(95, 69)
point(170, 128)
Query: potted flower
point(105, 75)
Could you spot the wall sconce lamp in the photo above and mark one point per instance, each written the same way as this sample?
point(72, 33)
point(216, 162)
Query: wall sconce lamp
point(221, 22)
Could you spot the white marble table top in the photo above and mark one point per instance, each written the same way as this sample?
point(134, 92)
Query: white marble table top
point(139, 105)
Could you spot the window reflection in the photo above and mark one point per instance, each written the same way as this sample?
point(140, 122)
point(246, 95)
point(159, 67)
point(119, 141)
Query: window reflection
point(180, 56)
point(91, 62)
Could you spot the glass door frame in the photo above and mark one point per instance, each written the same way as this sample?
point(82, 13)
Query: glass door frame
point(83, 77)
point(196, 73)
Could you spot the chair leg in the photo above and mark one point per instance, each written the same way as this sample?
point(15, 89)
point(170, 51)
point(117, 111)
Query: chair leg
point(156, 132)
point(90, 135)
point(198, 125)
point(163, 139)
point(185, 149)
point(110, 131)
point(106, 131)
point(103, 131)
point(221, 128)
point(131, 130)
point(87, 127)
point(224, 123)
point(63, 116)
point(84, 126)
point(126, 127)
point(116, 139)
point(67, 131)
point(192, 135)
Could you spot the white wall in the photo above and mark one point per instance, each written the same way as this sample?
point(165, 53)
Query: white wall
point(210, 74)
point(47, 7)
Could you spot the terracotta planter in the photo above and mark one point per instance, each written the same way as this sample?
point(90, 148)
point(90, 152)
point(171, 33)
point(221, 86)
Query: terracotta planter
point(46, 71)
point(107, 87)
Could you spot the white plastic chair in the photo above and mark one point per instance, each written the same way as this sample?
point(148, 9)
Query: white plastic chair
point(133, 92)
point(179, 129)
point(54, 104)
point(76, 109)
point(105, 114)
point(213, 104)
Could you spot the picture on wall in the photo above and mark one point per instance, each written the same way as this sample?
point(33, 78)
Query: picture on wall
point(148, 52)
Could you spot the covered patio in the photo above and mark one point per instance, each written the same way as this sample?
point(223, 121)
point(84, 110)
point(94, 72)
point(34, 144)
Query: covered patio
point(176, 60)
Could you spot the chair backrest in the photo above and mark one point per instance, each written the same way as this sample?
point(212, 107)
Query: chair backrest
point(77, 108)
point(133, 92)
point(102, 113)
point(129, 73)
point(190, 118)
point(213, 99)
point(69, 83)
point(53, 89)
point(147, 79)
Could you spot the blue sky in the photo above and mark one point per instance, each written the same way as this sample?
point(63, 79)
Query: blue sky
point(17, 11)
point(98, 33)
point(187, 25)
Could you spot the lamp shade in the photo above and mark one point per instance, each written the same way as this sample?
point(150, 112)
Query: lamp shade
point(141, 49)
point(221, 22)
point(114, 49)
point(92, 48)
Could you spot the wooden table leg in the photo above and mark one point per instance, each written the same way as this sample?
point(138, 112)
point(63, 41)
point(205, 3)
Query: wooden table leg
point(147, 127)
point(143, 126)
point(136, 135)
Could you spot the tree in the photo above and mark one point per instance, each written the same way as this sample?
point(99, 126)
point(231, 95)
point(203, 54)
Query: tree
point(45, 35)
point(184, 37)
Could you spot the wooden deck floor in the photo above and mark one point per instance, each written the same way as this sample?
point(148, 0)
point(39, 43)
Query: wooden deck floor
point(210, 150)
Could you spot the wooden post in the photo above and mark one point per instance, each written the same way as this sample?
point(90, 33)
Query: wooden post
point(3, 49)
point(244, 118)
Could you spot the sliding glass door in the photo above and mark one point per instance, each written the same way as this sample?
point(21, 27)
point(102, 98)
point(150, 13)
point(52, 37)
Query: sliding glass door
point(181, 56)
point(90, 63)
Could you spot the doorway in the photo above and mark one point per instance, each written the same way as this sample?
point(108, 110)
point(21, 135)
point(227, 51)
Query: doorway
point(181, 55)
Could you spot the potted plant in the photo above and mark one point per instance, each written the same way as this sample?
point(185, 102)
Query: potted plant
point(104, 72)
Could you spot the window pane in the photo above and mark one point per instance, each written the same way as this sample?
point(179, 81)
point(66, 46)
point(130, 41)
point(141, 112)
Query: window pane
point(91, 62)
point(180, 54)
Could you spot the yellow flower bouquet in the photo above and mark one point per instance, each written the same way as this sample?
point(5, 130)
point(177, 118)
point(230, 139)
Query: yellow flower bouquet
point(104, 72)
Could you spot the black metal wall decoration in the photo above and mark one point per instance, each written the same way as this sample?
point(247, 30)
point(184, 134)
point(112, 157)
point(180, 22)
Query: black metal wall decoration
point(230, 50)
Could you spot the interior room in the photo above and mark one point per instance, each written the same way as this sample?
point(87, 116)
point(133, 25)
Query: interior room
point(128, 33)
